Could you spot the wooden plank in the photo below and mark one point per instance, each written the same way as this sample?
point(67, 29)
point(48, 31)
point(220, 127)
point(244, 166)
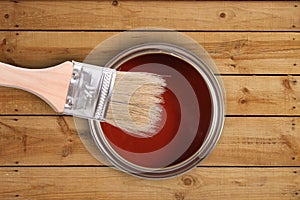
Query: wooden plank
point(106, 183)
point(251, 95)
point(245, 141)
point(42, 141)
point(124, 15)
point(233, 53)
point(263, 95)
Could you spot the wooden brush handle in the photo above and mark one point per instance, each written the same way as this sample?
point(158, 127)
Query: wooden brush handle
point(50, 84)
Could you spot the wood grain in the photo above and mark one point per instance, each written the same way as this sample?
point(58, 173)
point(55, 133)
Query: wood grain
point(106, 183)
point(233, 53)
point(124, 15)
point(245, 141)
point(250, 95)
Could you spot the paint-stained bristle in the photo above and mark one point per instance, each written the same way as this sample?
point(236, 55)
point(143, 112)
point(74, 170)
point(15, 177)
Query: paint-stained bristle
point(135, 105)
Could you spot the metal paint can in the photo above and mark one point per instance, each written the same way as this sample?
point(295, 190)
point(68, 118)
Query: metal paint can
point(172, 164)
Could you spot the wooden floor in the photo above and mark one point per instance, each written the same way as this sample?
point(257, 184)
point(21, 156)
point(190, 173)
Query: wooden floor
point(256, 46)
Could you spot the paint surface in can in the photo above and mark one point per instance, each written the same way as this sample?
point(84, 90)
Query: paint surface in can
point(186, 118)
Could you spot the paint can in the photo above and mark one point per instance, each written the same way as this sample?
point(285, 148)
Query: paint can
point(194, 108)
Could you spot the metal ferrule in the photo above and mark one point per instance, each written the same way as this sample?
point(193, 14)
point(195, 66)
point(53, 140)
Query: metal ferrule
point(90, 91)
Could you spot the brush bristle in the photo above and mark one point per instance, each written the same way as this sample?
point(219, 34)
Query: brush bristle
point(135, 105)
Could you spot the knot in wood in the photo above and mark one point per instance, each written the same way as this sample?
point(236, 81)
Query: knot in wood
point(188, 180)
point(222, 15)
point(242, 100)
point(115, 3)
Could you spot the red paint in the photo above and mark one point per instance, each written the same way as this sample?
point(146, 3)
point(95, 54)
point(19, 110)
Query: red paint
point(187, 120)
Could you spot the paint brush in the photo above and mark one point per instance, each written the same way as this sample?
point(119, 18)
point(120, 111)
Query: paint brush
point(128, 100)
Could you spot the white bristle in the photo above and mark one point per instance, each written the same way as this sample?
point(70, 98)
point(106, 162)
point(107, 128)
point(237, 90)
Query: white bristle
point(135, 105)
